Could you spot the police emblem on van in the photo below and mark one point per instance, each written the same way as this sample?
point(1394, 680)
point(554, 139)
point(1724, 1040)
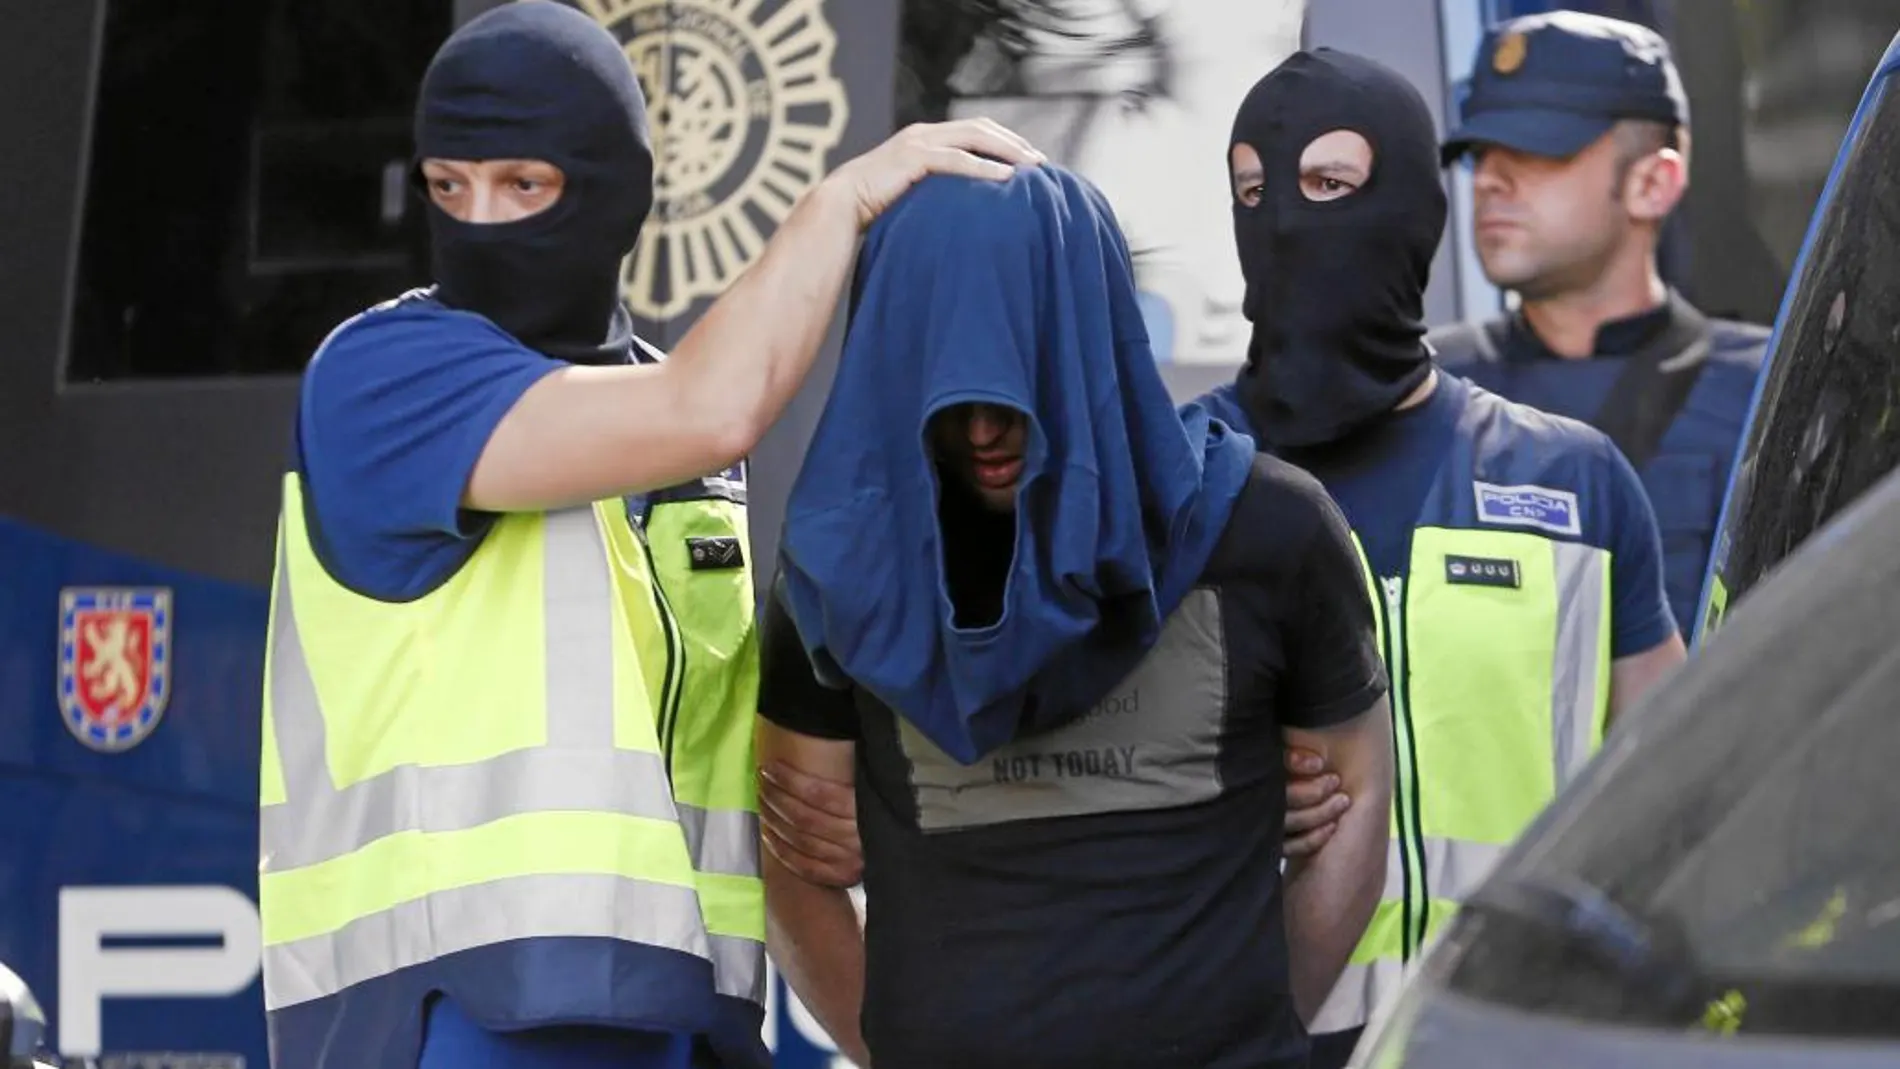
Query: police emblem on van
point(746, 103)
point(114, 663)
point(1528, 506)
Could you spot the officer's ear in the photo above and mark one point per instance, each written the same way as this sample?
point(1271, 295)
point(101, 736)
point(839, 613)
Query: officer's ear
point(1652, 169)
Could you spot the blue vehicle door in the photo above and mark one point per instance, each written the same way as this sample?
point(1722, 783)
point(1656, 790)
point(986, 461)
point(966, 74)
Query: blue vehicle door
point(1824, 424)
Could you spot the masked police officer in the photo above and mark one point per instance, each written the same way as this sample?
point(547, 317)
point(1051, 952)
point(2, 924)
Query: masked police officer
point(1577, 129)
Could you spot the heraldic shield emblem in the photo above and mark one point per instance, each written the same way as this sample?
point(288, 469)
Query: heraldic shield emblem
point(114, 663)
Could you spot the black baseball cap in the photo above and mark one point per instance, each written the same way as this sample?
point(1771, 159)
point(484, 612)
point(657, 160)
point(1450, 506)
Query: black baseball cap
point(1550, 84)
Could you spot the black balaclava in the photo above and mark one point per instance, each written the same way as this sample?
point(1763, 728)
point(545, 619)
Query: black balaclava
point(1335, 289)
point(534, 79)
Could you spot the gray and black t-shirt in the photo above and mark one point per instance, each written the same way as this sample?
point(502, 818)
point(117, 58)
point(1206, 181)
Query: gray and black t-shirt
point(1108, 894)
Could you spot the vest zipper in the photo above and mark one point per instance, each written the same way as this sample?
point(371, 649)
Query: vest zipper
point(674, 681)
point(1416, 905)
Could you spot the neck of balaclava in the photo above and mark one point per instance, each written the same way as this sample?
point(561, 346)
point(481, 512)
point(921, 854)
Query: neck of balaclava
point(612, 344)
point(552, 311)
point(588, 310)
point(1308, 382)
point(554, 294)
point(550, 280)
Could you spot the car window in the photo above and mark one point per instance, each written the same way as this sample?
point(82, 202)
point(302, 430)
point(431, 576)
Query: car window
point(1828, 423)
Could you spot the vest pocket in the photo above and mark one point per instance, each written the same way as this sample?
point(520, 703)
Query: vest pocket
point(1481, 619)
point(710, 723)
point(702, 555)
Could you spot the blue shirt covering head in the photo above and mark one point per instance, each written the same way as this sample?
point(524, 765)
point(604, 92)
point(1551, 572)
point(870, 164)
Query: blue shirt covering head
point(1019, 294)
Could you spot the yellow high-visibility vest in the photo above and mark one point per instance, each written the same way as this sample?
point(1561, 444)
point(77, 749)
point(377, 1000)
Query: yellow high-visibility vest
point(531, 788)
point(1497, 642)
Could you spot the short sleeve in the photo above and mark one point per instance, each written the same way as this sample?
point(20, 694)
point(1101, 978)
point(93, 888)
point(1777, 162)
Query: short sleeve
point(396, 409)
point(1640, 617)
point(790, 694)
point(1334, 669)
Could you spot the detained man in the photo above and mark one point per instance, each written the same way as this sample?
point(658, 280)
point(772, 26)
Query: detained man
point(1057, 634)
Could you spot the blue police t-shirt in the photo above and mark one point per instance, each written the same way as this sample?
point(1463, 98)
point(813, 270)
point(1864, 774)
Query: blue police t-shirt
point(396, 409)
point(1380, 478)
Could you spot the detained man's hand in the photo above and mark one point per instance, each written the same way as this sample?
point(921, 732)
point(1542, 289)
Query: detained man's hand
point(1314, 804)
point(876, 179)
point(811, 825)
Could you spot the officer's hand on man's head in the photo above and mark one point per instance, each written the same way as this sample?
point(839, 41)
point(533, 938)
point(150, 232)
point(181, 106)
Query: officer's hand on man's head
point(1314, 803)
point(976, 148)
point(811, 825)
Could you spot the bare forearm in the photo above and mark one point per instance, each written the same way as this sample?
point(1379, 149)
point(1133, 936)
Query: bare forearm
point(1330, 897)
point(744, 361)
point(814, 937)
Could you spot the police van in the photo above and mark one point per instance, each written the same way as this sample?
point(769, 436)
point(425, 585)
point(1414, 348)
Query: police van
point(198, 191)
point(1722, 886)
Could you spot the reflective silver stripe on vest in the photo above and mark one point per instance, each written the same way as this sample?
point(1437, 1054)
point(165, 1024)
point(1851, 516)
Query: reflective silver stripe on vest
point(329, 824)
point(725, 841)
point(1573, 693)
point(421, 930)
point(1360, 988)
point(1394, 890)
point(1454, 867)
point(447, 798)
point(738, 967)
point(579, 769)
point(1152, 743)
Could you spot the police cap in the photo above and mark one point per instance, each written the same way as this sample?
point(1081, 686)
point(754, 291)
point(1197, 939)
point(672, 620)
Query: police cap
point(1551, 84)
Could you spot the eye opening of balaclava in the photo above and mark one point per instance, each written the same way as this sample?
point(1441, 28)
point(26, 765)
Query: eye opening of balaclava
point(1364, 177)
point(1335, 288)
point(537, 80)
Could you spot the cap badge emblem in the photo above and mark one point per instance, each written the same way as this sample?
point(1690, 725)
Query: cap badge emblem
point(1510, 53)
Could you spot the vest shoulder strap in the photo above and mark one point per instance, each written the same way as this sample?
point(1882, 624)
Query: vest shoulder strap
point(1503, 444)
point(1648, 394)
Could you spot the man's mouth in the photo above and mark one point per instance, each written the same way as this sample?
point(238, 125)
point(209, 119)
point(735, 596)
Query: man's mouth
point(996, 473)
